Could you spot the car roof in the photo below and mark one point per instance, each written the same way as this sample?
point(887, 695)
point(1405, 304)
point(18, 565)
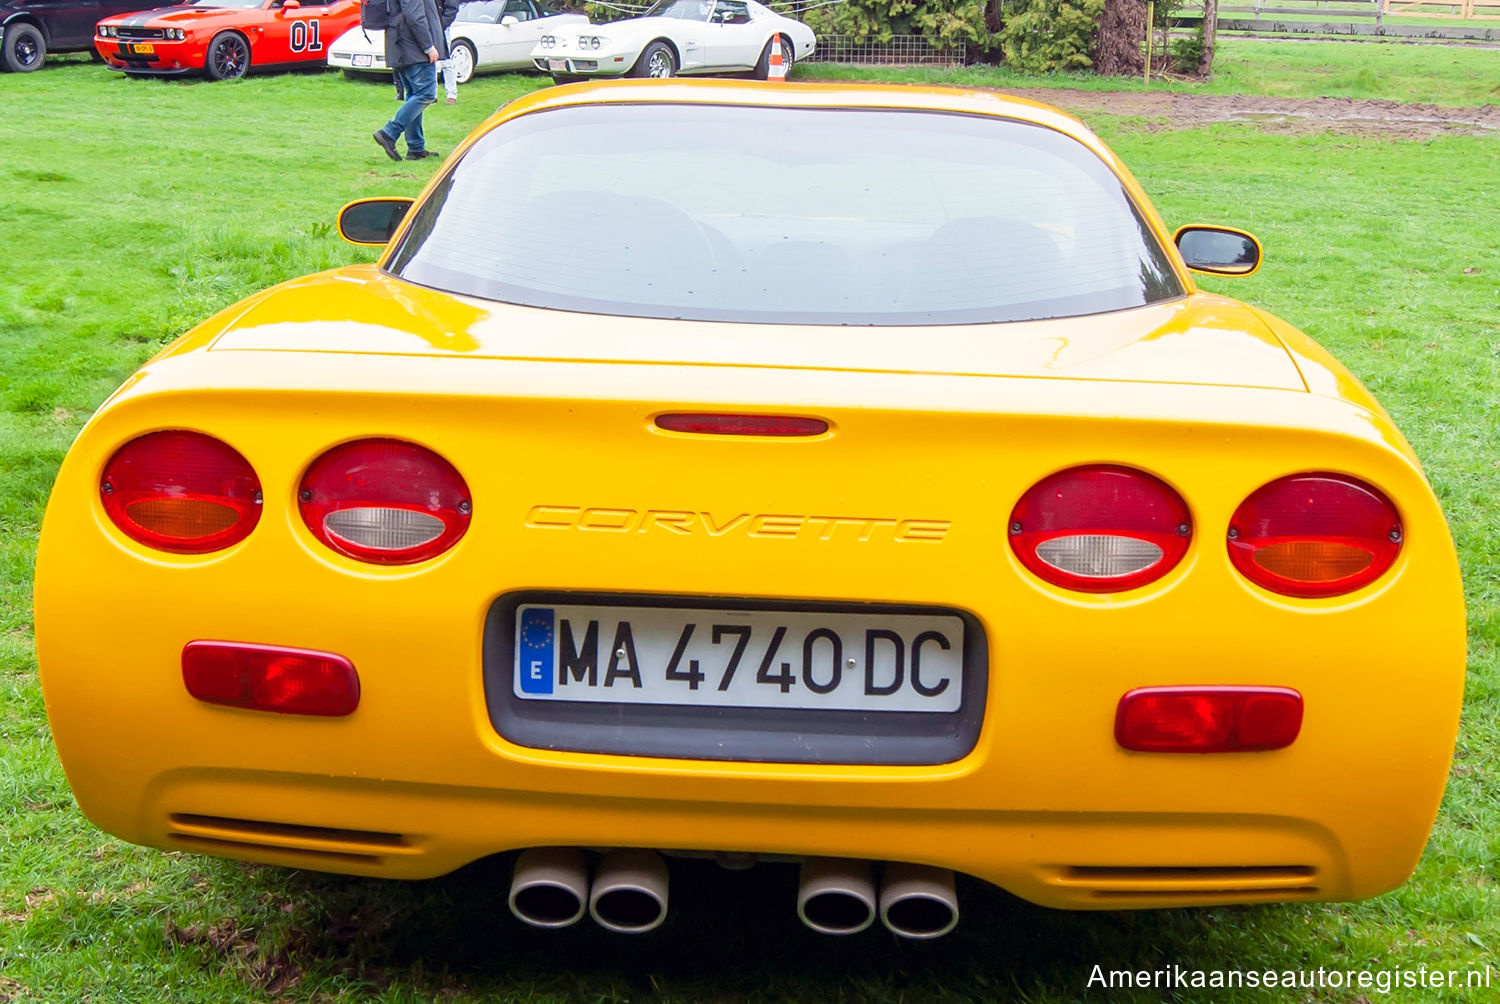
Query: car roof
point(801, 95)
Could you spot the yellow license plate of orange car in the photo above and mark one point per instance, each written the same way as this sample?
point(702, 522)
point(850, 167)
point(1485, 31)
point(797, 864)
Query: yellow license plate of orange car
point(143, 50)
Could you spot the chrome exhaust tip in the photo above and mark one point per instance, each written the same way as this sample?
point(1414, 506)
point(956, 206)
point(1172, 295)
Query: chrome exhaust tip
point(917, 901)
point(550, 886)
point(630, 891)
point(836, 895)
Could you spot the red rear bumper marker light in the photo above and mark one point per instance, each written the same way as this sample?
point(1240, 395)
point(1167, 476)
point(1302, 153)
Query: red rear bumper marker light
point(1208, 719)
point(1314, 535)
point(287, 681)
point(742, 425)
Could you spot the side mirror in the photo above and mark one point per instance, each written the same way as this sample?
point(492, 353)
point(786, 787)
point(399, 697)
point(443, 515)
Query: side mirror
point(372, 222)
point(509, 20)
point(1218, 250)
point(291, 4)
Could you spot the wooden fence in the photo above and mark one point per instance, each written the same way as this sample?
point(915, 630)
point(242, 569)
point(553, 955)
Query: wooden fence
point(1459, 19)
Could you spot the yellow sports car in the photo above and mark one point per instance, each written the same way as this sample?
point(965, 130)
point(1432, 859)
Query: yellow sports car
point(834, 476)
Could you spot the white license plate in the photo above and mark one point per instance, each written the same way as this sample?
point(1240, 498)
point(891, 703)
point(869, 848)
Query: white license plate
point(683, 656)
point(557, 65)
point(363, 59)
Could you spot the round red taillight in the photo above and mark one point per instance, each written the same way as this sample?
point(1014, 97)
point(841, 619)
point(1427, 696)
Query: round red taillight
point(181, 492)
point(1314, 535)
point(385, 501)
point(1100, 529)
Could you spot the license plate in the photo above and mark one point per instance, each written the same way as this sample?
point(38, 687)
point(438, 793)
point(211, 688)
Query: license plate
point(557, 65)
point(363, 59)
point(684, 656)
point(143, 49)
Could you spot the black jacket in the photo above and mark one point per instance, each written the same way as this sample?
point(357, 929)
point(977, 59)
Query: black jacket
point(448, 12)
point(416, 28)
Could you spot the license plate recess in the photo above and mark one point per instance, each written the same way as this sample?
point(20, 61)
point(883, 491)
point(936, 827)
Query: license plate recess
point(735, 679)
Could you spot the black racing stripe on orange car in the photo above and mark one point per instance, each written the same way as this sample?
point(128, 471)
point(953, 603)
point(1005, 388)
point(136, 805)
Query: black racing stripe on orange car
point(144, 18)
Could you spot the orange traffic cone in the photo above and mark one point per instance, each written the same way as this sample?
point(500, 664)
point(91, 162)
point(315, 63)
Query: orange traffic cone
point(776, 69)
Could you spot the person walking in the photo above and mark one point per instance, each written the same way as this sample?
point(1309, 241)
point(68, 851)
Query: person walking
point(448, 14)
point(414, 44)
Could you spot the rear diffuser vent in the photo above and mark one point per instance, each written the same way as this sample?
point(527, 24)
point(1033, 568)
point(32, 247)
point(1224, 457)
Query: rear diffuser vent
point(324, 842)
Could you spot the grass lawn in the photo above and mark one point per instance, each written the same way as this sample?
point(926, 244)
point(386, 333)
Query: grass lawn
point(136, 208)
point(1436, 74)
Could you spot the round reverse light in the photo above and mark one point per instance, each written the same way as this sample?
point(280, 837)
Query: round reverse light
point(385, 501)
point(1312, 535)
point(181, 492)
point(1100, 529)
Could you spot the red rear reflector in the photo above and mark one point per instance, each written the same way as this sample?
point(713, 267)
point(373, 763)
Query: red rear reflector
point(1100, 529)
point(288, 681)
point(1208, 719)
point(1314, 535)
point(182, 492)
point(742, 425)
point(385, 501)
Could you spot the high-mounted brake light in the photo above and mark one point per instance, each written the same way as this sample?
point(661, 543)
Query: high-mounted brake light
point(182, 492)
point(385, 501)
point(1100, 529)
point(1208, 719)
point(1313, 535)
point(741, 425)
point(288, 681)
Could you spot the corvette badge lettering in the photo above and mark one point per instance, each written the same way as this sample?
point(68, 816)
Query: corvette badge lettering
point(683, 523)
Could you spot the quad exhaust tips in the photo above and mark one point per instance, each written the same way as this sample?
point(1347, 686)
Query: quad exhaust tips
point(550, 887)
point(630, 891)
point(836, 895)
point(917, 901)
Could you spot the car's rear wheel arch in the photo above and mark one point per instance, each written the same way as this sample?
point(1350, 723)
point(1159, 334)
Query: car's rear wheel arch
point(762, 69)
point(473, 54)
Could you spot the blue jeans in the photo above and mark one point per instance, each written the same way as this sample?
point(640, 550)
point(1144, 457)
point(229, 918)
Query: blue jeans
point(419, 83)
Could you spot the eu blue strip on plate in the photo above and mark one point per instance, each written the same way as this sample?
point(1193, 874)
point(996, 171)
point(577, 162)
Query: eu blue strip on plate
point(536, 650)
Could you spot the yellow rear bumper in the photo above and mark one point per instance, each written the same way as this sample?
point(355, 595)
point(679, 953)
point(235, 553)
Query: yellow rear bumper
point(417, 781)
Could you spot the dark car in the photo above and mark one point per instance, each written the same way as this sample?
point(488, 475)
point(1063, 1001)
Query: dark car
point(29, 29)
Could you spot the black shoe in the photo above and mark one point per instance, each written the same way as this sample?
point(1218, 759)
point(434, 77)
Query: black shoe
point(387, 144)
point(421, 154)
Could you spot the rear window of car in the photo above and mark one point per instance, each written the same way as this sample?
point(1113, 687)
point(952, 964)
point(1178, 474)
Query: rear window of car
point(776, 215)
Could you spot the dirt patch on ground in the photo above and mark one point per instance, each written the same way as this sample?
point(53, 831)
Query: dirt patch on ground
point(1182, 111)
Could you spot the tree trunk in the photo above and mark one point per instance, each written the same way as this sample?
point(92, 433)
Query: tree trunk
point(1122, 29)
point(1210, 28)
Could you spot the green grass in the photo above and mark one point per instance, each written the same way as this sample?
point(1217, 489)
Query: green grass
point(134, 208)
point(1442, 75)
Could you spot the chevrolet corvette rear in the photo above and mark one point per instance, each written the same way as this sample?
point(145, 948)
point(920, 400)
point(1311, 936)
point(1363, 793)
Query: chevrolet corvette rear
point(1119, 595)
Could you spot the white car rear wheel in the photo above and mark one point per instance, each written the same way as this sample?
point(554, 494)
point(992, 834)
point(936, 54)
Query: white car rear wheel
point(464, 59)
point(788, 54)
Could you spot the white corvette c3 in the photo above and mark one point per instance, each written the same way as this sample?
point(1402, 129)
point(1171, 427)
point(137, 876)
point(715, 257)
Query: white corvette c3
point(676, 37)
